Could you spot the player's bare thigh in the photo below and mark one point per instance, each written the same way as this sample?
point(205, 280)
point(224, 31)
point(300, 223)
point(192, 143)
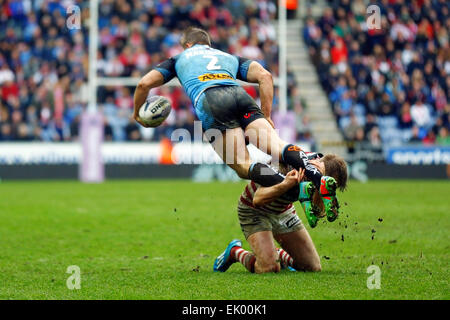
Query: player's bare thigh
point(230, 146)
point(301, 248)
point(263, 247)
point(263, 135)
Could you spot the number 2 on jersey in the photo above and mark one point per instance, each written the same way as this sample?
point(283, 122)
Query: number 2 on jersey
point(212, 64)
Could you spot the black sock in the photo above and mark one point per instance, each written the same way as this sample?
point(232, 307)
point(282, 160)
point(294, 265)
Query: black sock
point(267, 176)
point(294, 156)
point(264, 174)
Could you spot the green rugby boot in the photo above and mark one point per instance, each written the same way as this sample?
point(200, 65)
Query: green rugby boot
point(305, 197)
point(327, 192)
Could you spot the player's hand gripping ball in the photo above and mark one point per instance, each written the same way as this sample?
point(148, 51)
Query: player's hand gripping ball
point(155, 110)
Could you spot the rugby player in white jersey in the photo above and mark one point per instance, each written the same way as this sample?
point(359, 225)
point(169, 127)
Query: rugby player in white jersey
point(267, 213)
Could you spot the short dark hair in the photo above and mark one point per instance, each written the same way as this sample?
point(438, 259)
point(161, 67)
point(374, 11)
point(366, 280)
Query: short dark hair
point(193, 36)
point(336, 167)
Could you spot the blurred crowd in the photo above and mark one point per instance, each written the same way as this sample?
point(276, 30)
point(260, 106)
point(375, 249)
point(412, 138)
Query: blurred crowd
point(44, 64)
point(389, 85)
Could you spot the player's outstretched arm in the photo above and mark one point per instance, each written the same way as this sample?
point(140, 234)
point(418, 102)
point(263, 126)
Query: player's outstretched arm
point(257, 74)
point(151, 80)
point(265, 195)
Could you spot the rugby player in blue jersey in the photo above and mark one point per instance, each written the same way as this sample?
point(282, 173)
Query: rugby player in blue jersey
point(229, 115)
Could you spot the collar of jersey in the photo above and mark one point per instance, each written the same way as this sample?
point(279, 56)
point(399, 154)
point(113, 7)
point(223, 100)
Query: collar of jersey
point(198, 44)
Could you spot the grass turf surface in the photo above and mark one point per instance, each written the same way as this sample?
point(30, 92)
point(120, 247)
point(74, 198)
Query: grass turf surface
point(158, 240)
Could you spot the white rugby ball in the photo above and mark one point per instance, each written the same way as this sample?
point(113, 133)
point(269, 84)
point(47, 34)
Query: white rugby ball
point(155, 110)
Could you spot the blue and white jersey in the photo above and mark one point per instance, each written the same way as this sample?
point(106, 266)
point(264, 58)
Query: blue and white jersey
point(201, 67)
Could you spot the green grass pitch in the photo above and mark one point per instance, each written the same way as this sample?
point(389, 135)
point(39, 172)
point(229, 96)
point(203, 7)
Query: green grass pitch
point(158, 240)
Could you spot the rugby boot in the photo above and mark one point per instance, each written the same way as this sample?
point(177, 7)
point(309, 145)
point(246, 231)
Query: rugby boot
point(224, 261)
point(327, 192)
point(305, 197)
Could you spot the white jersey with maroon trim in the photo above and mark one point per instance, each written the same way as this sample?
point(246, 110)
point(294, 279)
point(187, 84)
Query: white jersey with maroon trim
point(277, 206)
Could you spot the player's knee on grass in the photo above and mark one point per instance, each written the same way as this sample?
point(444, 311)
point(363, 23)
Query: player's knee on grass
point(267, 263)
point(267, 267)
point(315, 267)
point(310, 266)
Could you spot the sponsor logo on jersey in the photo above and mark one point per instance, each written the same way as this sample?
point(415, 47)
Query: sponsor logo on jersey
point(214, 76)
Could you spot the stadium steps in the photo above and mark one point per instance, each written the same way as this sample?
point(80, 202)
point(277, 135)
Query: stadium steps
point(325, 132)
point(311, 7)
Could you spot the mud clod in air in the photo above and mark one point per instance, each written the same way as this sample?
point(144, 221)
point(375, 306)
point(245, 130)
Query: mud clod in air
point(326, 257)
point(175, 211)
point(342, 238)
point(380, 219)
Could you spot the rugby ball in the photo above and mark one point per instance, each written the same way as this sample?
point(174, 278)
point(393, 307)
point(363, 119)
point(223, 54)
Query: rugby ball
point(155, 110)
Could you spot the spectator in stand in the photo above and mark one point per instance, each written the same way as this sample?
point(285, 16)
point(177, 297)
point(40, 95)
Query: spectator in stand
point(339, 54)
point(443, 139)
point(406, 120)
point(374, 138)
point(352, 128)
point(420, 114)
point(429, 139)
point(370, 124)
point(415, 137)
